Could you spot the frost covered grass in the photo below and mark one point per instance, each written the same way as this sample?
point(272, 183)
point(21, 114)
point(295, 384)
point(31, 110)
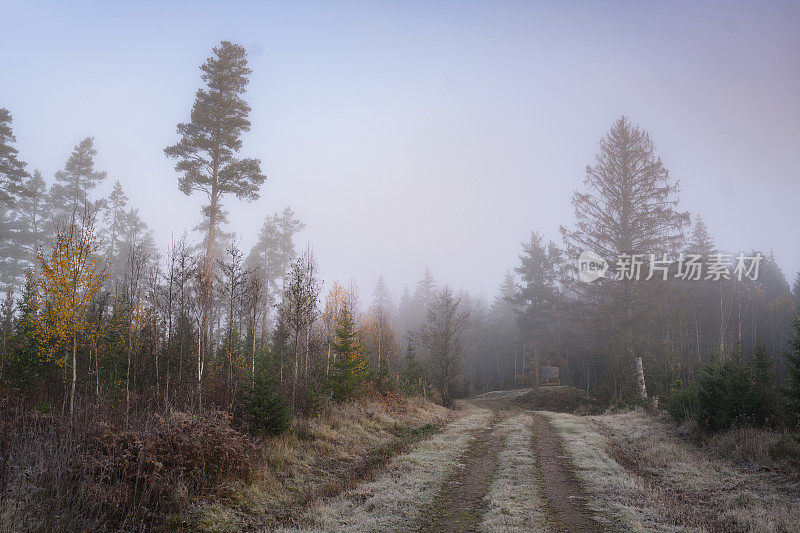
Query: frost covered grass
point(738, 496)
point(644, 474)
point(612, 489)
point(321, 457)
point(515, 501)
point(393, 500)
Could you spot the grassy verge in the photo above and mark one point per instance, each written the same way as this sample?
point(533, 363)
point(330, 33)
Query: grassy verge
point(646, 476)
point(393, 500)
point(319, 459)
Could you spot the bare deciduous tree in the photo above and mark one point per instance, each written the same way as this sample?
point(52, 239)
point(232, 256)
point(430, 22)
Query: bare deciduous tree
point(442, 334)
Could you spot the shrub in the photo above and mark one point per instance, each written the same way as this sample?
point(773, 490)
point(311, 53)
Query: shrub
point(766, 398)
point(730, 393)
point(382, 379)
point(412, 375)
point(725, 395)
point(260, 410)
point(761, 447)
point(155, 471)
point(786, 448)
point(92, 477)
point(793, 369)
point(682, 404)
point(350, 370)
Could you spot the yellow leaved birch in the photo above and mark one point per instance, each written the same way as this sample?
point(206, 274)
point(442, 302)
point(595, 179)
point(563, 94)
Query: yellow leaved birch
point(71, 277)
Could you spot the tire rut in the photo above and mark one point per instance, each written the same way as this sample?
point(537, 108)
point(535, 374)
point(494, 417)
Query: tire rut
point(566, 501)
point(461, 502)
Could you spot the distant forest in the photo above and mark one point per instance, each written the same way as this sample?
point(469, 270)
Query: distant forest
point(94, 313)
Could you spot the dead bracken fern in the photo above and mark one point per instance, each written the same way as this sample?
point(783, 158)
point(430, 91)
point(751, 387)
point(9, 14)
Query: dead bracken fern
point(74, 477)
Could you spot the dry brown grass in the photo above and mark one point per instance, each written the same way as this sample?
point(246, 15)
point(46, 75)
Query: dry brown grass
point(393, 501)
point(758, 448)
point(322, 457)
point(79, 475)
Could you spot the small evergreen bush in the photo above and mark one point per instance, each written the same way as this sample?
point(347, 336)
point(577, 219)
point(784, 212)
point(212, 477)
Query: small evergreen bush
point(730, 393)
point(682, 404)
point(766, 397)
point(260, 410)
point(793, 369)
point(725, 396)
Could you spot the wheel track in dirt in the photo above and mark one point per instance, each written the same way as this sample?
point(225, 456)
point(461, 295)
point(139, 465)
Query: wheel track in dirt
point(461, 503)
point(565, 498)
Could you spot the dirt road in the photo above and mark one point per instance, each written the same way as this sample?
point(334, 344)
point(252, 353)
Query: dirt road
point(462, 502)
point(503, 470)
point(565, 498)
point(501, 467)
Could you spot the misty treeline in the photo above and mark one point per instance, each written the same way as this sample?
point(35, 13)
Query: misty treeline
point(94, 313)
point(94, 310)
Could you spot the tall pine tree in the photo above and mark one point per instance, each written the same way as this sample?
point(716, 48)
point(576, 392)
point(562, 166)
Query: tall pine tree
point(206, 152)
point(629, 206)
point(69, 194)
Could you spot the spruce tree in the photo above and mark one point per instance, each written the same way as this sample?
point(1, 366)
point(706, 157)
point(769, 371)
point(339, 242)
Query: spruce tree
point(381, 300)
point(700, 240)
point(12, 169)
point(425, 292)
point(349, 371)
point(629, 206)
point(793, 367)
point(766, 401)
point(412, 375)
point(538, 298)
point(24, 365)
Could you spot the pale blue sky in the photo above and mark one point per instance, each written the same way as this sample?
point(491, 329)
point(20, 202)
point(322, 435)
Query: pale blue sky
point(414, 133)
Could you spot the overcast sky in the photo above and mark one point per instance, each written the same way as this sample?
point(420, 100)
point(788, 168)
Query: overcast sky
point(408, 134)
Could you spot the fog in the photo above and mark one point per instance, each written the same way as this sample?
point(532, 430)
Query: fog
point(364, 266)
point(412, 135)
